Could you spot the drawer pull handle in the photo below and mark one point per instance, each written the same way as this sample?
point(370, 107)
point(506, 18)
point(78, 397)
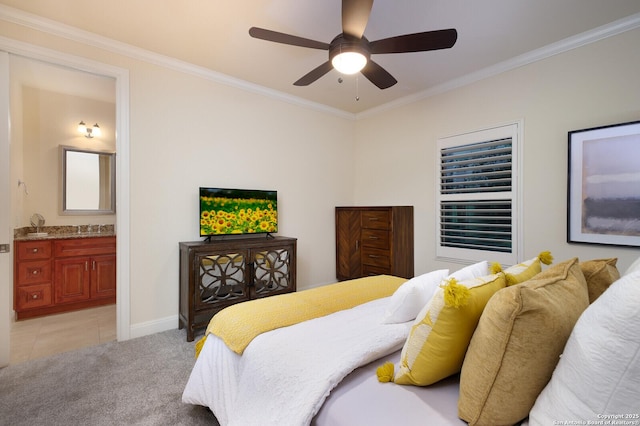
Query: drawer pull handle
point(373, 238)
point(374, 218)
point(35, 250)
point(86, 266)
point(373, 256)
point(35, 272)
point(35, 296)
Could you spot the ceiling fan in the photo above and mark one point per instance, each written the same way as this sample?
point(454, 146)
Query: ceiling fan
point(350, 51)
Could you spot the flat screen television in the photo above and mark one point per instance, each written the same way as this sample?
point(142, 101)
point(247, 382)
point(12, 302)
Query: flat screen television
point(237, 211)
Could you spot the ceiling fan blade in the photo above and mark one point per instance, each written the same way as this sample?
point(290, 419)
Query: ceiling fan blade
point(283, 38)
point(418, 42)
point(378, 75)
point(355, 15)
point(314, 74)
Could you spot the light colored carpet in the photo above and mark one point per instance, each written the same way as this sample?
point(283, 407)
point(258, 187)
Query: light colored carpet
point(137, 382)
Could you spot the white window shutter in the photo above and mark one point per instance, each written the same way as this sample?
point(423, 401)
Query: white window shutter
point(478, 196)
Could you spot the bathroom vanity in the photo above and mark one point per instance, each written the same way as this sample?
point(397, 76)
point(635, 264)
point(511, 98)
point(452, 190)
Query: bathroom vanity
point(64, 271)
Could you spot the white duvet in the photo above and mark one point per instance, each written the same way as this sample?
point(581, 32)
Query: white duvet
point(284, 376)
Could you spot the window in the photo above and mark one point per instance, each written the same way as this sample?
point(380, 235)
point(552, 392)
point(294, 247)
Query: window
point(478, 195)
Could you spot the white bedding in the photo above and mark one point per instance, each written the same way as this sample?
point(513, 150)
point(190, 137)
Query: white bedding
point(284, 376)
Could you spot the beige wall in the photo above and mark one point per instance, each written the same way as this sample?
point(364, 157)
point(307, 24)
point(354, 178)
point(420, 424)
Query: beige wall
point(50, 119)
point(591, 86)
point(187, 130)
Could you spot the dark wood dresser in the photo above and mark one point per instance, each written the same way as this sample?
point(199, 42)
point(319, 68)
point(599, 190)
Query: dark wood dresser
point(222, 272)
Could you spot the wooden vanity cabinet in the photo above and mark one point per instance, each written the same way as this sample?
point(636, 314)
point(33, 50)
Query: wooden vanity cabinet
point(62, 275)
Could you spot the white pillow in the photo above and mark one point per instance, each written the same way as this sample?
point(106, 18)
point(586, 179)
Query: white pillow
point(635, 266)
point(470, 272)
point(410, 297)
point(467, 273)
point(599, 372)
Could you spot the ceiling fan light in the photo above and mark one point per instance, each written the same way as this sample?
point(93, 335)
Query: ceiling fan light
point(349, 62)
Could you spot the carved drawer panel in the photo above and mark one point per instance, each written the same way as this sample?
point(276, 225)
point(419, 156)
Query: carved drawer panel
point(33, 296)
point(33, 250)
point(84, 246)
point(38, 271)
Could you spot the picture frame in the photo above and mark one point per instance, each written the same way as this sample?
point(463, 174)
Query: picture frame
point(603, 196)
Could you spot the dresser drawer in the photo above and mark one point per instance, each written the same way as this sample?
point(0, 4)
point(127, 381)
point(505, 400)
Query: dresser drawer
point(376, 219)
point(375, 257)
point(376, 238)
point(33, 296)
point(37, 271)
point(33, 250)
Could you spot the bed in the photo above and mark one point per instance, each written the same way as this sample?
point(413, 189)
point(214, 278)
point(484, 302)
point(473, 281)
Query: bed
point(324, 368)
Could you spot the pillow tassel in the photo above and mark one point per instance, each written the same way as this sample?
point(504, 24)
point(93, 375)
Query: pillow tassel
point(545, 257)
point(456, 295)
point(385, 372)
point(495, 268)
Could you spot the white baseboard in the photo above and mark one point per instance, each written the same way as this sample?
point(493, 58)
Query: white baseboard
point(152, 327)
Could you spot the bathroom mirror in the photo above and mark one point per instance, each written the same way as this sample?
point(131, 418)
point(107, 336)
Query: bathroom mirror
point(88, 181)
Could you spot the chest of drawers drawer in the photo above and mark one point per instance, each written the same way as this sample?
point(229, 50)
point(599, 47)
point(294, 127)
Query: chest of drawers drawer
point(376, 219)
point(376, 257)
point(376, 238)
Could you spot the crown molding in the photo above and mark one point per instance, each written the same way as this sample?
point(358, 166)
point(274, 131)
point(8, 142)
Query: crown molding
point(38, 23)
point(49, 26)
point(614, 28)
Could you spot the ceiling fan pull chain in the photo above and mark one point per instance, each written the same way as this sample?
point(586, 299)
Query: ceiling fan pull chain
point(357, 89)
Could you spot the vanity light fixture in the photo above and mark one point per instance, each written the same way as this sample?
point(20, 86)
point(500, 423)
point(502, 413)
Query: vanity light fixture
point(89, 132)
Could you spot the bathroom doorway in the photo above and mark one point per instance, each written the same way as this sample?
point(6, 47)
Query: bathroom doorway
point(24, 62)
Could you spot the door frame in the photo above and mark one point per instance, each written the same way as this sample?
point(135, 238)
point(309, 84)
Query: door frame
point(121, 75)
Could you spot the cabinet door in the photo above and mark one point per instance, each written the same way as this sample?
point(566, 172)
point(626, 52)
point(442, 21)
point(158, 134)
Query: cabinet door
point(222, 277)
point(348, 263)
point(103, 276)
point(72, 279)
point(272, 271)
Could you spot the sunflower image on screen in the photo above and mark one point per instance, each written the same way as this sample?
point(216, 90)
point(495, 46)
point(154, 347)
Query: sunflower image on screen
point(237, 211)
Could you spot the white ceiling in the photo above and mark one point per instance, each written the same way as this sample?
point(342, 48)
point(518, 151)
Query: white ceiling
point(214, 34)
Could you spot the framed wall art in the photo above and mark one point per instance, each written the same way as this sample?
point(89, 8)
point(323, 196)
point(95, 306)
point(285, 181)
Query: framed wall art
point(604, 185)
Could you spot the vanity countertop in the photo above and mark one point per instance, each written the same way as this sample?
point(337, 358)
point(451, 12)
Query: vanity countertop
point(63, 232)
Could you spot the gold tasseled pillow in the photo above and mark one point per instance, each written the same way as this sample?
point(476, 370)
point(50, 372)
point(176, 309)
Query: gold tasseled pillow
point(600, 274)
point(517, 344)
point(526, 270)
point(441, 333)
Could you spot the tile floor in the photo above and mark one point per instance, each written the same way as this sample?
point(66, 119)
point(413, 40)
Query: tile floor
point(39, 337)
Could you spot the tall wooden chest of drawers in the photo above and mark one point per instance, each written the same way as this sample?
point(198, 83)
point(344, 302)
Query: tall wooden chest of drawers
point(373, 241)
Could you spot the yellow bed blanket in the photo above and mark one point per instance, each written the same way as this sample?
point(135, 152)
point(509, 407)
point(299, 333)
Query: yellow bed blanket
point(237, 325)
